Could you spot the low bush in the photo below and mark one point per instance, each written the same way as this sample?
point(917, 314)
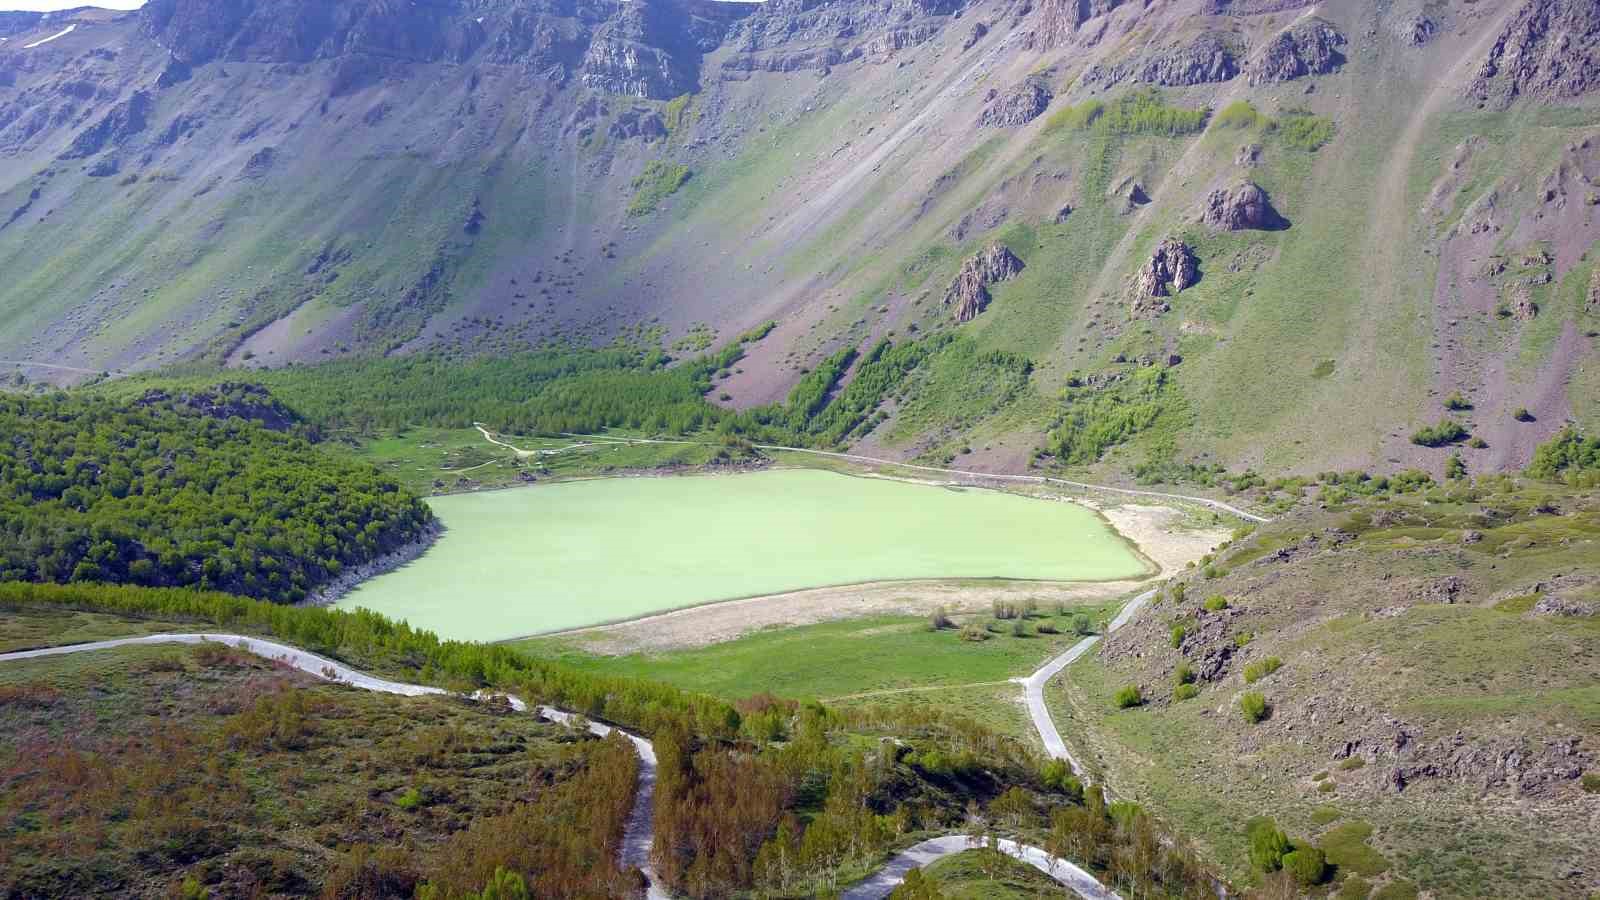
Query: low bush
point(1351, 763)
point(1019, 628)
point(1268, 844)
point(1178, 632)
point(1185, 691)
point(1591, 782)
point(1261, 669)
point(1129, 697)
point(1457, 403)
point(1455, 468)
point(974, 633)
point(1446, 432)
point(1178, 591)
point(1216, 603)
point(1184, 674)
point(939, 619)
point(1253, 706)
point(1522, 414)
point(1237, 115)
point(1082, 625)
point(1243, 638)
point(1308, 865)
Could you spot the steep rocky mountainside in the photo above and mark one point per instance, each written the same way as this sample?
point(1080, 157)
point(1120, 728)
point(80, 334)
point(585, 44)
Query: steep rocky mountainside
point(1328, 217)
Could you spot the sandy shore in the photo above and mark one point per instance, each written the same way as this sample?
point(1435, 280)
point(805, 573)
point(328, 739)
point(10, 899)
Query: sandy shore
point(1159, 532)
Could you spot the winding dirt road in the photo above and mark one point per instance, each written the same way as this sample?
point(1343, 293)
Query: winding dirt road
point(638, 833)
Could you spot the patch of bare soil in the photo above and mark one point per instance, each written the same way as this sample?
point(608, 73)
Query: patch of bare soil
point(1158, 531)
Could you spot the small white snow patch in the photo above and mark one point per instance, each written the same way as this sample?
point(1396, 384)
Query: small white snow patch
point(60, 34)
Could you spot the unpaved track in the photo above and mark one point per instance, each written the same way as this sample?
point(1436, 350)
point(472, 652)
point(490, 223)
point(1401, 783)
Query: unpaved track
point(638, 834)
point(960, 473)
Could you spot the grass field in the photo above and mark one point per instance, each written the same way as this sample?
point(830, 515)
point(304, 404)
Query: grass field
point(26, 630)
point(853, 660)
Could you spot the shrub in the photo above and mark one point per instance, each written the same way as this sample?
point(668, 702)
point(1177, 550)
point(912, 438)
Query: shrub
point(1048, 628)
point(1268, 845)
point(1308, 865)
point(1184, 673)
point(1566, 454)
point(1253, 706)
point(1129, 697)
point(1243, 638)
point(974, 633)
point(1238, 115)
point(1216, 603)
point(1477, 443)
point(1178, 591)
point(1259, 670)
point(1019, 628)
point(1185, 691)
point(939, 619)
point(1446, 432)
point(1178, 632)
point(1303, 131)
point(1522, 414)
point(1455, 468)
point(1082, 625)
point(1327, 787)
point(411, 799)
point(1457, 403)
point(1591, 782)
point(658, 181)
point(1351, 763)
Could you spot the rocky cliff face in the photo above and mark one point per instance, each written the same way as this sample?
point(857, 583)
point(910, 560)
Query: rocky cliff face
point(1550, 50)
point(1172, 267)
point(968, 295)
point(1310, 47)
point(1242, 206)
point(1208, 58)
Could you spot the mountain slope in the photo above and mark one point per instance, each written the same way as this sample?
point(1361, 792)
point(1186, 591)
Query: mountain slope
point(1402, 212)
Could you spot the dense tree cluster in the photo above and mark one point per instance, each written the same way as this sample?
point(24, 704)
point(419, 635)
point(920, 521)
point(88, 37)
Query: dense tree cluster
point(156, 493)
point(1570, 456)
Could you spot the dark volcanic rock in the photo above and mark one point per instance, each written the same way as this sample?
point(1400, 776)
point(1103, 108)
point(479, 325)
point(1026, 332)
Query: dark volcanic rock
point(124, 120)
point(1017, 106)
point(978, 31)
point(1171, 269)
point(1550, 50)
point(1209, 58)
point(1244, 206)
point(644, 124)
point(1308, 48)
point(969, 292)
point(1059, 20)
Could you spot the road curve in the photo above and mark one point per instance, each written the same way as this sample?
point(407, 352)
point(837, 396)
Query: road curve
point(637, 835)
point(1033, 685)
point(932, 850)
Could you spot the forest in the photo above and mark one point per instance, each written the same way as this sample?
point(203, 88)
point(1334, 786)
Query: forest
point(158, 492)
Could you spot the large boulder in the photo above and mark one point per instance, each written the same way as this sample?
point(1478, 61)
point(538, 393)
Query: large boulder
point(1018, 106)
point(1243, 206)
point(1172, 267)
point(1312, 47)
point(969, 292)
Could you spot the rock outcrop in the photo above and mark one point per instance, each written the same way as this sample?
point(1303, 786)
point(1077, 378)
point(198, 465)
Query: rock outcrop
point(1550, 50)
point(969, 292)
point(1017, 106)
point(1209, 58)
point(1172, 268)
point(123, 121)
point(1311, 47)
point(1060, 20)
point(1243, 206)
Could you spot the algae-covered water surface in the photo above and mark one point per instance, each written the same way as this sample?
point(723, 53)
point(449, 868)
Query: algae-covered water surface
point(531, 560)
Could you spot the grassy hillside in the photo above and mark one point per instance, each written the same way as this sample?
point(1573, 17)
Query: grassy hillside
point(1426, 243)
point(1427, 667)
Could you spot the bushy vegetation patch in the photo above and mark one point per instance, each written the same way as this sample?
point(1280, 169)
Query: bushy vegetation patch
point(1260, 669)
point(1238, 115)
point(1303, 130)
point(1128, 697)
point(657, 182)
point(1570, 457)
point(1448, 431)
point(1142, 111)
point(1215, 603)
point(1308, 865)
point(1253, 706)
point(1185, 691)
point(154, 493)
point(1096, 419)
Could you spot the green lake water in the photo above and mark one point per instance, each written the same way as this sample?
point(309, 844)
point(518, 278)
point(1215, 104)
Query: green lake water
point(530, 560)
